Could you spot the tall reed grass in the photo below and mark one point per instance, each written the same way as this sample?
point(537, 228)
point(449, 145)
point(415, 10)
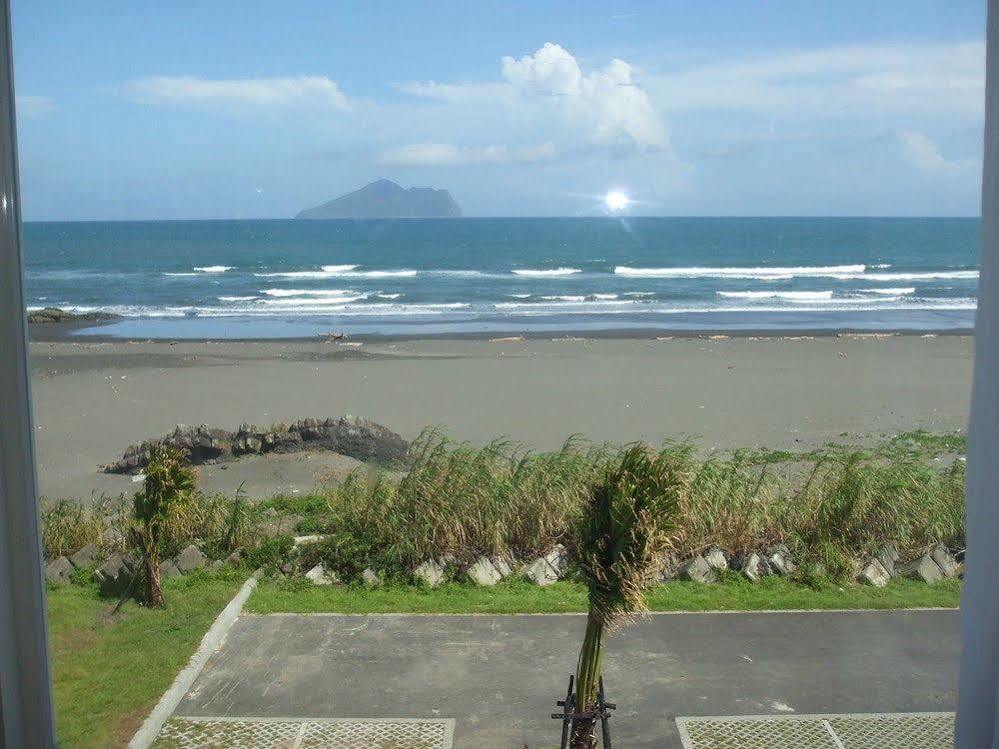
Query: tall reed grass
point(460, 502)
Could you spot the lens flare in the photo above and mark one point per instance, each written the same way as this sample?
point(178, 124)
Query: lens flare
point(616, 201)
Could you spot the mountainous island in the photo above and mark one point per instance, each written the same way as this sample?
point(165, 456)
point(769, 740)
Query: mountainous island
point(386, 199)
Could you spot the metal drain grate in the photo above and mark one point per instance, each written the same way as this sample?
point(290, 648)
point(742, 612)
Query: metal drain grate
point(290, 733)
point(860, 731)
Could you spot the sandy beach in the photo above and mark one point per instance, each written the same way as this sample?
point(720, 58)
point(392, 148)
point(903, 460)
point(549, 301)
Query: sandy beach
point(92, 400)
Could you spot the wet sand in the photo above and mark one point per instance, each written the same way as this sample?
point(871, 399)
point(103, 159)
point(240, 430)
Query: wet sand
point(92, 400)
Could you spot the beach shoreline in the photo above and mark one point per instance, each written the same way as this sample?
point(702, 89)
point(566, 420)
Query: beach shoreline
point(92, 399)
point(88, 331)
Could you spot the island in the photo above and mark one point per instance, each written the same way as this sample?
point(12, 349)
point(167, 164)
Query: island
point(386, 199)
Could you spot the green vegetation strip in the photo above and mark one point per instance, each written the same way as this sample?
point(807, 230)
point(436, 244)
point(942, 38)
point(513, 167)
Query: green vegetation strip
point(109, 669)
point(516, 597)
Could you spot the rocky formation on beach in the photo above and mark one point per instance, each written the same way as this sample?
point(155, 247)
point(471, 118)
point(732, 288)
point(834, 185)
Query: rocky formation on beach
point(347, 435)
point(55, 314)
point(386, 199)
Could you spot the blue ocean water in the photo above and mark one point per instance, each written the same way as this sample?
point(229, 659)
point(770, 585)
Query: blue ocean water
point(428, 277)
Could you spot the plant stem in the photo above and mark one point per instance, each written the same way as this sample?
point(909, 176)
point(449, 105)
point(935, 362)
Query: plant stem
point(591, 657)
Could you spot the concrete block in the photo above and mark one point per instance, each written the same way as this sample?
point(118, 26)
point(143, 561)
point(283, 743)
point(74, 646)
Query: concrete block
point(190, 559)
point(716, 558)
point(483, 573)
point(874, 573)
point(370, 578)
point(58, 571)
point(430, 572)
point(169, 569)
point(948, 565)
point(697, 570)
point(540, 572)
point(320, 576)
point(502, 566)
point(85, 557)
point(923, 568)
point(752, 566)
point(888, 556)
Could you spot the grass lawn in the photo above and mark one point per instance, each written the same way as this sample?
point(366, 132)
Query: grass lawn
point(110, 669)
point(516, 597)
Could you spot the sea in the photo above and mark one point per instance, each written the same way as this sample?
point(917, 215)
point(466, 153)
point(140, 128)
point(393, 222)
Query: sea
point(485, 276)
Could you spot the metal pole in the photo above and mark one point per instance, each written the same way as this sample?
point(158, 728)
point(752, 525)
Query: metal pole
point(25, 694)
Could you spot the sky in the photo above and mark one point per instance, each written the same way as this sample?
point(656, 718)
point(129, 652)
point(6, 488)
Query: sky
point(200, 110)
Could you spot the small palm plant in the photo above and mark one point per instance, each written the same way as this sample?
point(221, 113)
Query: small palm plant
point(625, 531)
point(164, 498)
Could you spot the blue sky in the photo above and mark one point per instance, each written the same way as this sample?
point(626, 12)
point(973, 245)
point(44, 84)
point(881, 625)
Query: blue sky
point(163, 110)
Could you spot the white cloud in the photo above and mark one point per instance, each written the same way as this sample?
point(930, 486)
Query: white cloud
point(446, 154)
point(614, 106)
point(550, 92)
point(244, 92)
point(859, 81)
point(31, 106)
point(923, 153)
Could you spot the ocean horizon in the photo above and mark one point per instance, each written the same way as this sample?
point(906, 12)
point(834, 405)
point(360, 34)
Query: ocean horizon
point(293, 278)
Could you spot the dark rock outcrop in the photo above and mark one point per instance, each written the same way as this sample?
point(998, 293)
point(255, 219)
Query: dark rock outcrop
point(55, 314)
point(347, 435)
point(386, 199)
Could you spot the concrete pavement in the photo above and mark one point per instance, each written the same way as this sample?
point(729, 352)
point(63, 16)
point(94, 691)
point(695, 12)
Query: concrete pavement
point(499, 676)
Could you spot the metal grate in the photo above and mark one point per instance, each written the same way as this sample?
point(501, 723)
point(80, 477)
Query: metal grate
point(290, 733)
point(933, 731)
point(861, 731)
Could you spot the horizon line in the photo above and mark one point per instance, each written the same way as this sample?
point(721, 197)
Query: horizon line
point(504, 218)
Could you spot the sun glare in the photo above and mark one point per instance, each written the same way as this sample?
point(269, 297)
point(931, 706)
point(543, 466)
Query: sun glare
point(616, 201)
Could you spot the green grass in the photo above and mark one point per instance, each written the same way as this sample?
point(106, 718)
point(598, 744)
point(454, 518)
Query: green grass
point(110, 669)
point(517, 597)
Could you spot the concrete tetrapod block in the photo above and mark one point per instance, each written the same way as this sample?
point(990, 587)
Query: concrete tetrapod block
point(697, 570)
point(752, 566)
point(190, 559)
point(114, 576)
point(948, 565)
point(169, 569)
point(58, 571)
point(874, 573)
point(558, 559)
point(779, 559)
point(888, 556)
point(483, 573)
point(430, 573)
point(540, 572)
point(923, 568)
point(319, 576)
point(502, 566)
point(716, 558)
point(85, 557)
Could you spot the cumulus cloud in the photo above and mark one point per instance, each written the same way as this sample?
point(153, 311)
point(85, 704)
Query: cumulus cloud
point(243, 92)
point(446, 154)
point(923, 153)
point(550, 90)
point(31, 106)
point(615, 107)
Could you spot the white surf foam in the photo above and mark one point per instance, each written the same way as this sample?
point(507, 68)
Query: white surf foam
point(891, 292)
point(212, 268)
point(340, 271)
point(236, 298)
point(914, 276)
point(793, 296)
point(545, 273)
point(756, 272)
point(338, 268)
point(308, 292)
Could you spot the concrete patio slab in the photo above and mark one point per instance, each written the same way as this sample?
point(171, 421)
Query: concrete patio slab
point(499, 676)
